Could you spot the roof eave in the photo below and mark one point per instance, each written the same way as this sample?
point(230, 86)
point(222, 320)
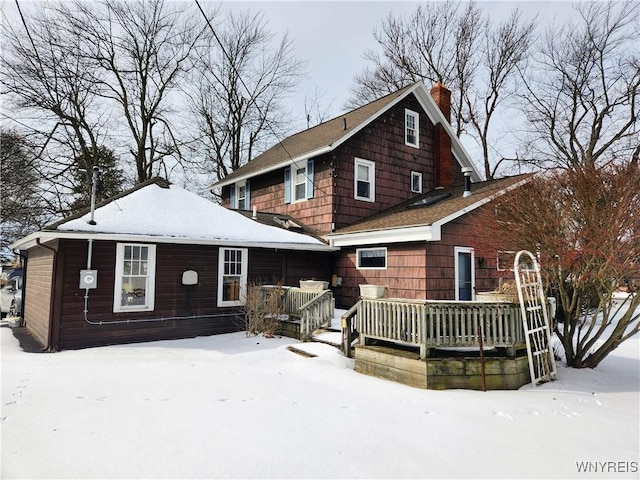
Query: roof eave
point(418, 233)
point(43, 237)
point(428, 232)
point(291, 161)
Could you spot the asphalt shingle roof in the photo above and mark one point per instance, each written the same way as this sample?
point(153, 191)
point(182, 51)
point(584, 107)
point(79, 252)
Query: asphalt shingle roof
point(431, 207)
point(315, 138)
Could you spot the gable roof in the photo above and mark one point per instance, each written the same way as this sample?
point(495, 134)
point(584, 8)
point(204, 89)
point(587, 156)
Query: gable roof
point(328, 135)
point(160, 212)
point(421, 218)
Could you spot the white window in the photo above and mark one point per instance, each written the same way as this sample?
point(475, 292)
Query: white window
point(411, 128)
point(300, 184)
point(242, 197)
point(239, 196)
point(371, 258)
point(364, 180)
point(416, 182)
point(232, 276)
point(134, 289)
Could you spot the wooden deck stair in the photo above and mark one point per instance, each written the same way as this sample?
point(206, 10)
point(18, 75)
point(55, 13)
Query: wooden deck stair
point(329, 336)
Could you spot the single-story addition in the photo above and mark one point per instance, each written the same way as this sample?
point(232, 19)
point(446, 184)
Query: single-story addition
point(156, 262)
point(426, 248)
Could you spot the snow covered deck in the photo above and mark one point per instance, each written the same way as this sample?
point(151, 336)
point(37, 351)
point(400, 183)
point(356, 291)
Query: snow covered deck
point(437, 344)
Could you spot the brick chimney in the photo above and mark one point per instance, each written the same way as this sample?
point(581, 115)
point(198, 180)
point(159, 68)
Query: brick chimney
point(445, 165)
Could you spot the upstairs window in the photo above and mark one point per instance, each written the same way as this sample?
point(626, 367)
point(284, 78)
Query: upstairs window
point(242, 197)
point(416, 182)
point(298, 182)
point(239, 196)
point(364, 180)
point(411, 127)
point(135, 277)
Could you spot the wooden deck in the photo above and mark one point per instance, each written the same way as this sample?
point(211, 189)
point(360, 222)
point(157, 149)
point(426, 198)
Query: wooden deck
point(435, 324)
point(437, 344)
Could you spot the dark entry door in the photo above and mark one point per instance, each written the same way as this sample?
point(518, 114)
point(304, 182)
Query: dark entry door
point(465, 281)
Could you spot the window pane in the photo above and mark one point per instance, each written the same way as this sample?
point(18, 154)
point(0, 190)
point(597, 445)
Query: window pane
point(363, 172)
point(363, 189)
point(375, 258)
point(231, 288)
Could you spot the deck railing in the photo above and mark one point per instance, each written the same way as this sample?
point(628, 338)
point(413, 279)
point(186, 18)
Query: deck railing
point(316, 313)
point(314, 308)
point(432, 324)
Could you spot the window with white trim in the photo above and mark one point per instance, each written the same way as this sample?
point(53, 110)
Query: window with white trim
point(242, 197)
point(411, 128)
point(134, 286)
point(416, 182)
point(232, 276)
point(371, 258)
point(300, 184)
point(364, 180)
point(239, 196)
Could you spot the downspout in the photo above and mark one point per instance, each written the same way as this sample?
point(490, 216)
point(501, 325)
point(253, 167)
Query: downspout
point(52, 324)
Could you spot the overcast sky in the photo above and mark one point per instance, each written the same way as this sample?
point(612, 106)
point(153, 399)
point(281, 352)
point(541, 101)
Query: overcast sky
point(334, 35)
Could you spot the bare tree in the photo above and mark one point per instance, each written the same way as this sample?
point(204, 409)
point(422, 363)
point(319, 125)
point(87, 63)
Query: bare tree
point(505, 47)
point(23, 209)
point(45, 74)
point(240, 82)
point(582, 97)
point(314, 112)
point(459, 46)
point(585, 225)
point(142, 48)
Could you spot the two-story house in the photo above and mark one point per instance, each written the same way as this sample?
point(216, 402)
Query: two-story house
point(385, 183)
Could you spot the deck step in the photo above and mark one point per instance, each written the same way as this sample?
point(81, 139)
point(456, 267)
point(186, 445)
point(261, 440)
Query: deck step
point(320, 336)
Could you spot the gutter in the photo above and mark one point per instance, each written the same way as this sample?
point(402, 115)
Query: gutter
point(35, 239)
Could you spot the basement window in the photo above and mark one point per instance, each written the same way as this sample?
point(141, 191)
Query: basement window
point(371, 258)
point(134, 289)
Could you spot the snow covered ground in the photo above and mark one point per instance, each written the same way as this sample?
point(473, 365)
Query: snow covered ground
point(235, 407)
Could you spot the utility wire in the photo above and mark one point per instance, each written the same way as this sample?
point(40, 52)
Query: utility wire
point(230, 59)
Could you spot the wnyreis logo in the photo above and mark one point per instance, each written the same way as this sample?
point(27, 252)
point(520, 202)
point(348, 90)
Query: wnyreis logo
point(607, 467)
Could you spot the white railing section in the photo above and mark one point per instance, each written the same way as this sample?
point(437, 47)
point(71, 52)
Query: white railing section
point(316, 313)
point(430, 324)
point(315, 308)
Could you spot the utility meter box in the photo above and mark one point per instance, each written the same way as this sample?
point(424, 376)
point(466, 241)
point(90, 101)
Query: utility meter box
point(88, 279)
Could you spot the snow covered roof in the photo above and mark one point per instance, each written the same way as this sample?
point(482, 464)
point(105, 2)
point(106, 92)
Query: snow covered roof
point(165, 213)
